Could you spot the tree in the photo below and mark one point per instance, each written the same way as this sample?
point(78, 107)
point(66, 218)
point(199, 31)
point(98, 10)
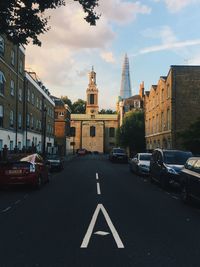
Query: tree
point(191, 137)
point(22, 20)
point(67, 101)
point(132, 132)
point(107, 111)
point(79, 107)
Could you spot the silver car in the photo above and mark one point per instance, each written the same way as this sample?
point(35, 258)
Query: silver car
point(140, 163)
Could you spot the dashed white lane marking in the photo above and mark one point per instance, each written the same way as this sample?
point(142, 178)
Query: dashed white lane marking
point(97, 176)
point(101, 233)
point(8, 208)
point(89, 232)
point(98, 189)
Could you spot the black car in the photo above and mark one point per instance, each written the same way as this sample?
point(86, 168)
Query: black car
point(165, 166)
point(118, 155)
point(54, 162)
point(190, 180)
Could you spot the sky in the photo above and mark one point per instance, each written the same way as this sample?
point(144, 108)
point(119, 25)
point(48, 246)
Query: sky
point(155, 34)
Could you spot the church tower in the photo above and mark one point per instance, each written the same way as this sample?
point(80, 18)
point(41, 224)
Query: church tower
point(125, 90)
point(92, 94)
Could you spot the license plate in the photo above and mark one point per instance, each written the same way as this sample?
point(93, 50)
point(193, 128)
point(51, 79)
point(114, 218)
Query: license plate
point(14, 171)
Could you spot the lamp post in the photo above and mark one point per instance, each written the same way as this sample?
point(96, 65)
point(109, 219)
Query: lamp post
point(44, 132)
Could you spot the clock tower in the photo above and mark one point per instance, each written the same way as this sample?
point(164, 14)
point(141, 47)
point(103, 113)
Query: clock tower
point(92, 107)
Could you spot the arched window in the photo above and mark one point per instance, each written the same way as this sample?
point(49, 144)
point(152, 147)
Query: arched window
point(92, 131)
point(91, 99)
point(73, 131)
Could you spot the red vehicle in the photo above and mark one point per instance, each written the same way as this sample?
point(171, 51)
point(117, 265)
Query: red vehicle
point(82, 151)
point(30, 170)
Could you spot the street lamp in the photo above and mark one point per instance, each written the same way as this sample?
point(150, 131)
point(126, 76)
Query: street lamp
point(44, 132)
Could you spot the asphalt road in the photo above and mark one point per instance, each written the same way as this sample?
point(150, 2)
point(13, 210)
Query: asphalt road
point(97, 214)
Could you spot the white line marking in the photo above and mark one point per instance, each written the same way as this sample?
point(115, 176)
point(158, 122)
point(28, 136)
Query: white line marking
point(97, 176)
point(98, 189)
point(101, 233)
point(92, 224)
point(18, 201)
point(8, 208)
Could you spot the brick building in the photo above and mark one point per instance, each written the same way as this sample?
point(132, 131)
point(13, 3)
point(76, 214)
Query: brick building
point(171, 106)
point(62, 126)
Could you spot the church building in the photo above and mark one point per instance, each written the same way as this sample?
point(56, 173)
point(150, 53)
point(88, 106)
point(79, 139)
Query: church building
point(93, 131)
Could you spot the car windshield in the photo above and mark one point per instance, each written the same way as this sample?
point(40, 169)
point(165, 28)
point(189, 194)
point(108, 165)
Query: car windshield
point(176, 157)
point(118, 150)
point(146, 157)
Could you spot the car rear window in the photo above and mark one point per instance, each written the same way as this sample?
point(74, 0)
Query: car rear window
point(176, 157)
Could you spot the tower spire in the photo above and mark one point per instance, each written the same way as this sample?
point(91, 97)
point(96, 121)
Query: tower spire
point(125, 90)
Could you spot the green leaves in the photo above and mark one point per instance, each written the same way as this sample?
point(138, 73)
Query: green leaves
point(22, 20)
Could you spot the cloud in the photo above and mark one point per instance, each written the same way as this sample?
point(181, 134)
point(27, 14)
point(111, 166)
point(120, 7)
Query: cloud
point(108, 57)
point(122, 11)
point(175, 6)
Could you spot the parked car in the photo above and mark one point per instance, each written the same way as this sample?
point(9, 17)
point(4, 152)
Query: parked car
point(118, 155)
point(55, 162)
point(81, 152)
point(190, 180)
point(165, 166)
point(140, 163)
point(30, 170)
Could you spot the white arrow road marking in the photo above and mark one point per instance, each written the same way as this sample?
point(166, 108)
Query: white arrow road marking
point(97, 176)
point(101, 233)
point(98, 189)
point(92, 224)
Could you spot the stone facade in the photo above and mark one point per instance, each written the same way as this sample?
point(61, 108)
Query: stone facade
point(93, 131)
point(171, 106)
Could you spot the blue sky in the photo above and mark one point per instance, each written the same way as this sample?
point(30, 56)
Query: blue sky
point(154, 33)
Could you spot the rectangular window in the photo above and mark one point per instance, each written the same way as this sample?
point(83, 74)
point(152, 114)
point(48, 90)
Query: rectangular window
point(20, 121)
point(2, 46)
point(28, 121)
point(12, 87)
point(20, 66)
point(12, 57)
point(20, 94)
point(37, 102)
point(33, 98)
point(28, 95)
point(2, 83)
point(112, 132)
point(11, 119)
point(168, 119)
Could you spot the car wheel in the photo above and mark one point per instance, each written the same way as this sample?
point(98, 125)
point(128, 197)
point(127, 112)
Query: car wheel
point(185, 197)
point(164, 183)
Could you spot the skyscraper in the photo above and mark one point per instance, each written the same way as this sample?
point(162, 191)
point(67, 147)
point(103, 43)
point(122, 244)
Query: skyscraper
point(125, 90)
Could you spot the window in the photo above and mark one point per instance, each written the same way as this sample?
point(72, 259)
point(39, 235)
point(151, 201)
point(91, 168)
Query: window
point(162, 95)
point(19, 120)
point(111, 132)
point(1, 116)
point(168, 119)
point(11, 118)
point(162, 121)
point(33, 98)
point(92, 99)
point(1, 144)
point(20, 94)
point(168, 91)
point(12, 57)
point(40, 104)
point(28, 121)
point(32, 122)
point(2, 83)
point(92, 131)
point(73, 131)
point(20, 66)
point(2, 46)
point(28, 95)
point(61, 113)
point(12, 88)
point(11, 145)
point(37, 102)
